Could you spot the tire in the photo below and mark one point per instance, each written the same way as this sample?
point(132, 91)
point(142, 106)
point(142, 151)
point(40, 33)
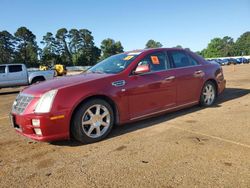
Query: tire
point(37, 80)
point(92, 121)
point(208, 94)
point(55, 73)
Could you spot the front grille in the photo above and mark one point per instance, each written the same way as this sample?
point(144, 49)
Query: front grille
point(21, 102)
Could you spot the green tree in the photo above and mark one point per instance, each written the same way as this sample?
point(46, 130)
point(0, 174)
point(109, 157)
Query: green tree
point(109, 47)
point(178, 46)
point(227, 49)
point(74, 37)
point(242, 44)
point(7, 47)
point(89, 51)
point(82, 47)
point(27, 49)
point(153, 44)
point(74, 46)
point(219, 48)
point(214, 48)
point(199, 53)
point(96, 52)
point(50, 53)
point(62, 45)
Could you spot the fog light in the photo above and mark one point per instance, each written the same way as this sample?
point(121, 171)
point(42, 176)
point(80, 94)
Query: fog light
point(38, 131)
point(36, 122)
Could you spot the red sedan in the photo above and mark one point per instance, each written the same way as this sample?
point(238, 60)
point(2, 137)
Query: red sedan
point(120, 89)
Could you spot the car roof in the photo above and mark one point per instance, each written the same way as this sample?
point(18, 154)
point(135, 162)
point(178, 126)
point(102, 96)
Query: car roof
point(152, 50)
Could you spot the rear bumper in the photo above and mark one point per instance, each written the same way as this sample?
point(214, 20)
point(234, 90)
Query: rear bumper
point(51, 129)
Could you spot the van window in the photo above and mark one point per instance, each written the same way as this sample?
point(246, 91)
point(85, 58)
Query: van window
point(2, 69)
point(15, 68)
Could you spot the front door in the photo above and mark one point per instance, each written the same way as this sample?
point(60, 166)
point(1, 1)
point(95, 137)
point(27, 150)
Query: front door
point(153, 91)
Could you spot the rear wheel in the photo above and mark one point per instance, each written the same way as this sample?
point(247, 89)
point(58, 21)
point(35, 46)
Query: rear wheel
point(208, 94)
point(37, 80)
point(92, 121)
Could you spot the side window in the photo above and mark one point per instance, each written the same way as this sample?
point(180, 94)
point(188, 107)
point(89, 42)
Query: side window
point(2, 69)
point(156, 61)
point(15, 68)
point(192, 60)
point(181, 59)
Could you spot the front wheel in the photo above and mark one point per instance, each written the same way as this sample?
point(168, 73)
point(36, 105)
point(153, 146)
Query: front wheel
point(208, 94)
point(92, 121)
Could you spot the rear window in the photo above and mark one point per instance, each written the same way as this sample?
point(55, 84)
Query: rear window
point(181, 59)
point(15, 68)
point(2, 69)
point(192, 61)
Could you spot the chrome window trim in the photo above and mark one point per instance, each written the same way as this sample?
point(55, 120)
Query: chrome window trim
point(165, 70)
point(147, 73)
point(185, 67)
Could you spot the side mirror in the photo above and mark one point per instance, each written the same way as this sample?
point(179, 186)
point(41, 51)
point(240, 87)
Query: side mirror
point(140, 69)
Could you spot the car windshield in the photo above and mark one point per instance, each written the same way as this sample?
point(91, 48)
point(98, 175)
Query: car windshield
point(114, 64)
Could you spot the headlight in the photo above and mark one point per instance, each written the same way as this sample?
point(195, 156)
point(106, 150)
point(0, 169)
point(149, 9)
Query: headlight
point(45, 102)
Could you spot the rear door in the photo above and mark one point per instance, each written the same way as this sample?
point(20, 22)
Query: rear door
point(189, 75)
point(154, 91)
point(16, 75)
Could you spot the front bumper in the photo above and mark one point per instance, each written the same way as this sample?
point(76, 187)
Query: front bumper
point(52, 129)
point(221, 86)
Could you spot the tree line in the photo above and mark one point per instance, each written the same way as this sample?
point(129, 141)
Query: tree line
point(76, 47)
point(226, 47)
point(70, 48)
point(218, 47)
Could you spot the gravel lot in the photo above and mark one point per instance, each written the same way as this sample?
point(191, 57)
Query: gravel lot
point(195, 147)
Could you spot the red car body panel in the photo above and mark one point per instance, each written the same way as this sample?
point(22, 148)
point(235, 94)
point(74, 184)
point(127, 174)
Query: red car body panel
point(150, 93)
point(142, 96)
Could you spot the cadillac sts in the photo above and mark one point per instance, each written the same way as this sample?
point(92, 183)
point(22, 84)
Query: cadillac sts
point(120, 89)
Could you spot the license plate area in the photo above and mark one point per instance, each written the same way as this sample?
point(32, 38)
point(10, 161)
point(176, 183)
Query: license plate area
point(13, 122)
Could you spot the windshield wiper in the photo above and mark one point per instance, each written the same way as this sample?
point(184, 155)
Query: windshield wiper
point(98, 72)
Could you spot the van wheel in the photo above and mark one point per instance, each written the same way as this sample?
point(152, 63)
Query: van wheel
point(92, 121)
point(208, 94)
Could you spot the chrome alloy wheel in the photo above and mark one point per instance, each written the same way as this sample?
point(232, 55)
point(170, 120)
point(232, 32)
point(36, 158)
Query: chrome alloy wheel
point(96, 121)
point(209, 94)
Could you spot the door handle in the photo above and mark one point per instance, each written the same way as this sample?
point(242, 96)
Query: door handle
point(199, 73)
point(170, 78)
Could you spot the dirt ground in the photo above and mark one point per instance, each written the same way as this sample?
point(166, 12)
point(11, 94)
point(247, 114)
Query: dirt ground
point(195, 147)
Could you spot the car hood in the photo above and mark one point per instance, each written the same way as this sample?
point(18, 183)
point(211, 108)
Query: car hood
point(58, 83)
